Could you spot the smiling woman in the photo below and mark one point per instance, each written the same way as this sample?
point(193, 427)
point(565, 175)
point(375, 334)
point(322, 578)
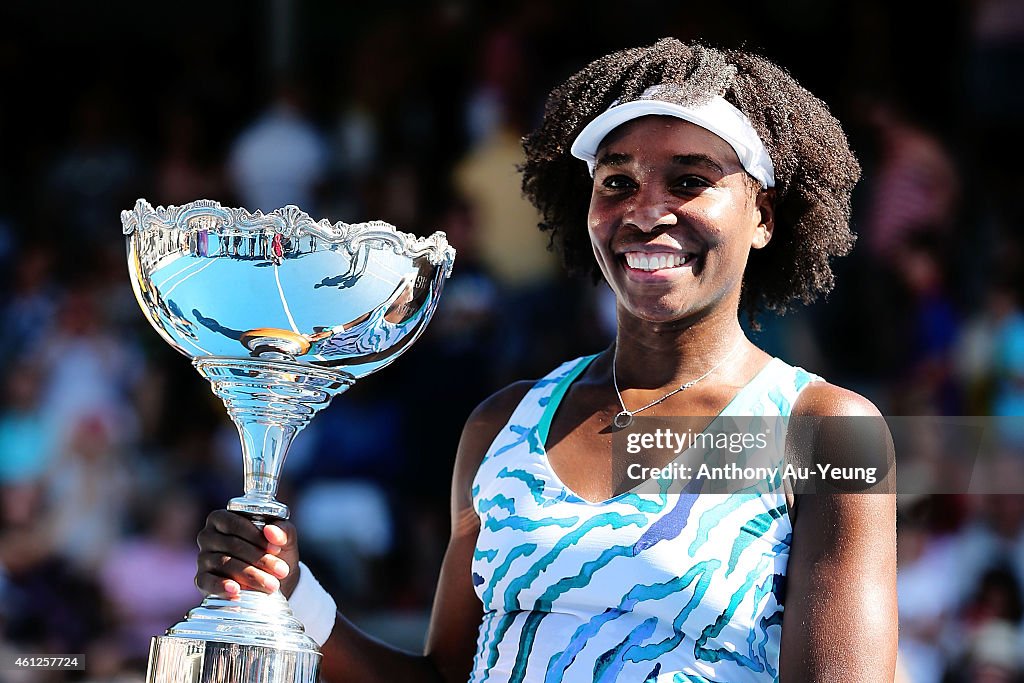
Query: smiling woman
point(653, 176)
point(697, 184)
point(750, 104)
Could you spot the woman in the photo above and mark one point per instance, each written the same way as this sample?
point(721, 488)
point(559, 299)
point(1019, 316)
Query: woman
point(717, 184)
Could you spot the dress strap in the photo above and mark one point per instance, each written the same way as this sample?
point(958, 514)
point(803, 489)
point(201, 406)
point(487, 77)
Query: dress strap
point(544, 425)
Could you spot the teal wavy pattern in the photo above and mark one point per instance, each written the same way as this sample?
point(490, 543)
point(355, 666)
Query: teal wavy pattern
point(751, 531)
point(526, 524)
point(485, 631)
point(652, 651)
point(612, 519)
point(708, 654)
point(533, 484)
point(610, 664)
point(482, 554)
point(498, 501)
point(524, 550)
point(561, 661)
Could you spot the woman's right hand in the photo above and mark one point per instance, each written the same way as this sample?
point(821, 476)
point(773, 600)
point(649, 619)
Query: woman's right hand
point(235, 554)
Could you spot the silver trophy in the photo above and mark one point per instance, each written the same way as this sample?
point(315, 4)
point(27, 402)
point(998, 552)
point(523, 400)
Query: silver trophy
point(280, 313)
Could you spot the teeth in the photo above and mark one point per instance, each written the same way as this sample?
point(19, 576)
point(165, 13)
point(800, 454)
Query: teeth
point(651, 262)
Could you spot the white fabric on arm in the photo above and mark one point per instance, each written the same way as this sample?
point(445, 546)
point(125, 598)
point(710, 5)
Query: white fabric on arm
point(313, 606)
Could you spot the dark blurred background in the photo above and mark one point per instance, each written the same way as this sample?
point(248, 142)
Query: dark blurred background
point(112, 449)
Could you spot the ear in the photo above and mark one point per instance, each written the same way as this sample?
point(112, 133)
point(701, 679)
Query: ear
point(764, 218)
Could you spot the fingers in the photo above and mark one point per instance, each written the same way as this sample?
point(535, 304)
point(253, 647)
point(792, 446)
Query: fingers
point(235, 554)
point(233, 524)
point(262, 572)
point(227, 576)
point(234, 535)
point(250, 554)
point(276, 535)
point(218, 586)
point(282, 542)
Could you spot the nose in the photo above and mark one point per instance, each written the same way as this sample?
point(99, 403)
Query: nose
point(649, 211)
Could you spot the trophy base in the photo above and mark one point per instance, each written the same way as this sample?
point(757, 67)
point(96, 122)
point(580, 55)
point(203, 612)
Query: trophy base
point(173, 659)
point(254, 638)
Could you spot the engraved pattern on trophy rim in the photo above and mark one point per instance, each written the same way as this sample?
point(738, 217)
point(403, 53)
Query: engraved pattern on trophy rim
point(290, 221)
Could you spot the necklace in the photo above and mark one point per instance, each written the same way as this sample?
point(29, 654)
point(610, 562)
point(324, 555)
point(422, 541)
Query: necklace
point(625, 418)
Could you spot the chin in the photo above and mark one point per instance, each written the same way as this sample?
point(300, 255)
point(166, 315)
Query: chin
point(659, 312)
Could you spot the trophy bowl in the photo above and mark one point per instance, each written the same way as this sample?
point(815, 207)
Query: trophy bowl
point(280, 313)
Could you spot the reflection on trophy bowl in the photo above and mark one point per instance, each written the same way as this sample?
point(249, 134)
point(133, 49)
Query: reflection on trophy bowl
point(223, 282)
point(280, 313)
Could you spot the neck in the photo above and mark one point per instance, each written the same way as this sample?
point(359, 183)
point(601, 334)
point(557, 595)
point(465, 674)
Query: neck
point(660, 355)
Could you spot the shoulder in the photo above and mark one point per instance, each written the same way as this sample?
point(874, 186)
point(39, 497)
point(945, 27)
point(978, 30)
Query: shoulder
point(487, 419)
point(482, 426)
point(822, 399)
point(836, 427)
point(494, 411)
point(837, 431)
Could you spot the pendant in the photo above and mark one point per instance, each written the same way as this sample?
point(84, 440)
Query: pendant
point(623, 419)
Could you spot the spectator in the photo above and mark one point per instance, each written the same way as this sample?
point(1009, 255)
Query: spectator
point(280, 158)
point(94, 177)
point(148, 586)
point(87, 495)
point(28, 314)
point(92, 370)
point(185, 171)
point(25, 447)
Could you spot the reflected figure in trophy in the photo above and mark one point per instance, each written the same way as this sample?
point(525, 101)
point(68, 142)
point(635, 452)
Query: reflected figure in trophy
point(702, 185)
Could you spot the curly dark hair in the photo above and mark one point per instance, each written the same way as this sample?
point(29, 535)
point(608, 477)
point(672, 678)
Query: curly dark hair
point(815, 170)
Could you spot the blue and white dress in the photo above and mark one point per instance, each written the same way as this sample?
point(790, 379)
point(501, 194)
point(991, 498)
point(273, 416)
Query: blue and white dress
point(641, 587)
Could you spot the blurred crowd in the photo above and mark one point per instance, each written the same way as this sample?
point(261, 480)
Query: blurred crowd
point(112, 449)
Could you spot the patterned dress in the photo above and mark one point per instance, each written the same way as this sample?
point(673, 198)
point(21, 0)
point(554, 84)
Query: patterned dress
point(656, 586)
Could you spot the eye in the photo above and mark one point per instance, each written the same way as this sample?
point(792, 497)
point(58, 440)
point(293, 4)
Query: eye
point(692, 182)
point(618, 182)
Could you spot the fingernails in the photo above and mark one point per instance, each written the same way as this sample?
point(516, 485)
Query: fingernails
point(273, 534)
point(280, 567)
point(232, 588)
point(273, 549)
point(271, 584)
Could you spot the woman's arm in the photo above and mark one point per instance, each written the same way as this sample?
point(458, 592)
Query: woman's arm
point(840, 620)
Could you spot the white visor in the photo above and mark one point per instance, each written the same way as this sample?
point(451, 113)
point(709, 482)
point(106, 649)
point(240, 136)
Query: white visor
point(717, 116)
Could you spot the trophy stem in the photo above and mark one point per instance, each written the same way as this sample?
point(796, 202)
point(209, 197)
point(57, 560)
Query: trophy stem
point(270, 401)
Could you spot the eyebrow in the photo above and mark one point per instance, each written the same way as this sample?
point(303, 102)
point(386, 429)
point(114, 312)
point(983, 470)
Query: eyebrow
point(620, 159)
point(614, 159)
point(698, 160)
